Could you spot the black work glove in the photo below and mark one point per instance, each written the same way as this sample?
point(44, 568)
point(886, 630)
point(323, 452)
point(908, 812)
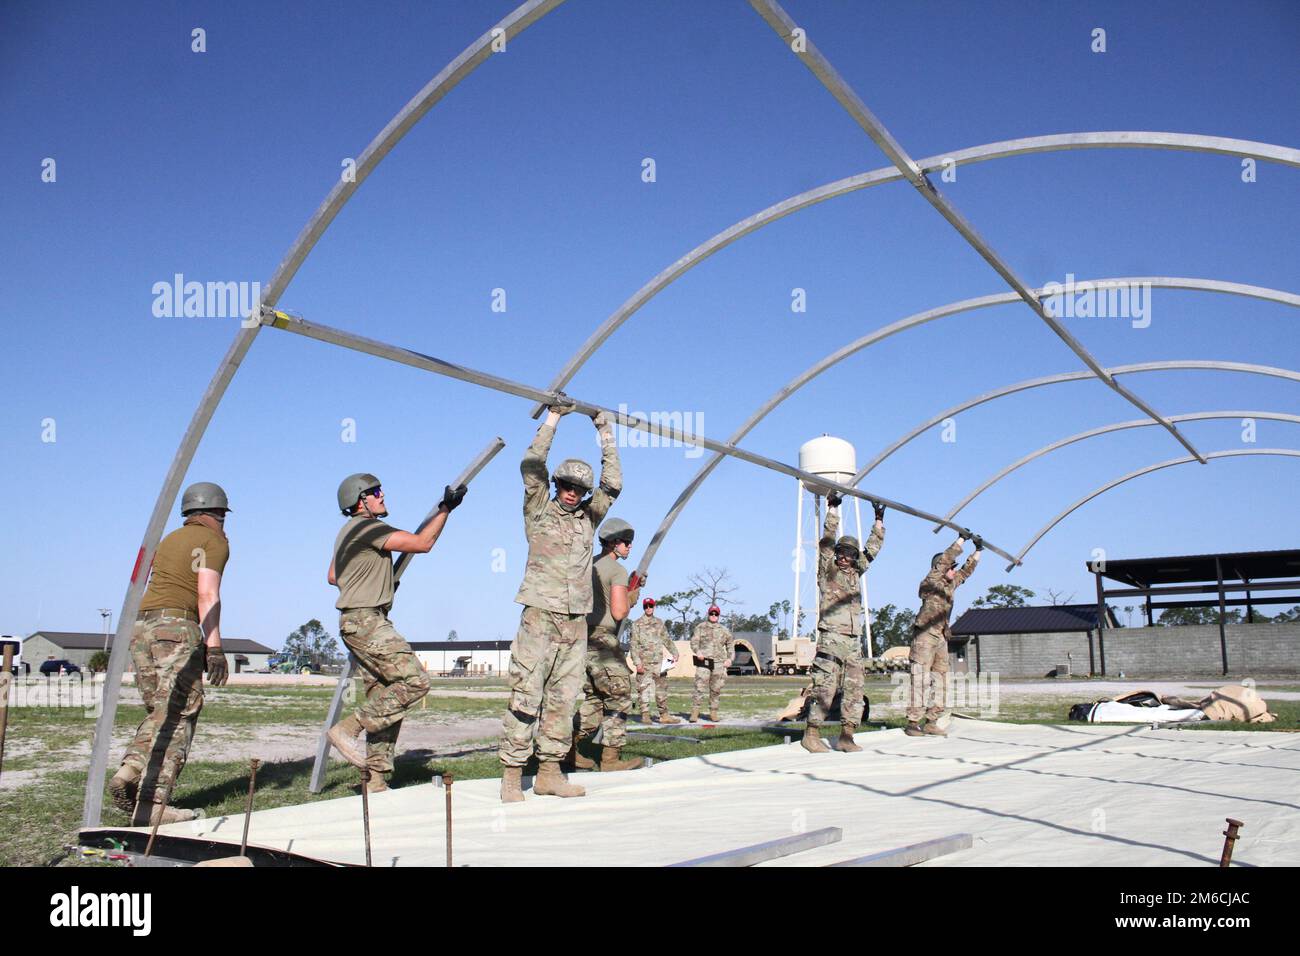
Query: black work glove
point(562, 404)
point(979, 543)
point(833, 500)
point(967, 533)
point(452, 497)
point(880, 510)
point(218, 670)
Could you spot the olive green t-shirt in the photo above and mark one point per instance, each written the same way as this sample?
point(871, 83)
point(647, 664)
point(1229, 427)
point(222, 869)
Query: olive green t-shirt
point(605, 575)
point(363, 570)
point(174, 580)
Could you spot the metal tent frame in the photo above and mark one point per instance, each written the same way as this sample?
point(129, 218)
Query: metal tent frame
point(904, 168)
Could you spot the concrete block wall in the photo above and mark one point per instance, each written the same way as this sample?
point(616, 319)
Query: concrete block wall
point(1254, 650)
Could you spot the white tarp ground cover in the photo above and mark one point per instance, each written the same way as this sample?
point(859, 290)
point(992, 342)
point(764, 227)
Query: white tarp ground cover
point(1082, 795)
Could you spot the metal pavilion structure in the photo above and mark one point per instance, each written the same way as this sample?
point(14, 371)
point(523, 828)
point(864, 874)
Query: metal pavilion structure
point(902, 168)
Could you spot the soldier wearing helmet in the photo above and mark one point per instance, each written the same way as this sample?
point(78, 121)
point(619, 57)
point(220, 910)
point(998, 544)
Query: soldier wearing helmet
point(648, 647)
point(177, 637)
point(548, 656)
point(362, 569)
point(929, 654)
point(839, 667)
point(713, 649)
point(607, 693)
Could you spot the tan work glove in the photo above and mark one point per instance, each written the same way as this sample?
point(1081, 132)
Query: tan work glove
point(216, 666)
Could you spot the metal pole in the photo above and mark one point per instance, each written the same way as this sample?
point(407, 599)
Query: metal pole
point(365, 809)
point(160, 810)
point(6, 681)
point(1230, 839)
point(321, 333)
point(467, 475)
point(107, 615)
point(253, 764)
point(1101, 622)
point(798, 555)
point(447, 781)
point(1223, 635)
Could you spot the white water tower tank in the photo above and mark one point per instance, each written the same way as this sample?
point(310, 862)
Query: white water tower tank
point(831, 457)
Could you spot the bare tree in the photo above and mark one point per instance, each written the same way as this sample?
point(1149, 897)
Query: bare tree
point(715, 584)
point(1057, 598)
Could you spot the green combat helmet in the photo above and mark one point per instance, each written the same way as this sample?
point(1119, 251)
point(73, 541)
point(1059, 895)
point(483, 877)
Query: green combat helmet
point(575, 471)
point(204, 496)
point(615, 530)
point(849, 545)
point(351, 487)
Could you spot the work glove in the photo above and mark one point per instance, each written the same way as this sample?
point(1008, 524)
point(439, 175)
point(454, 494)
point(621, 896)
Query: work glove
point(452, 497)
point(216, 666)
point(979, 543)
point(833, 500)
point(562, 404)
point(880, 510)
point(635, 580)
point(601, 419)
point(967, 533)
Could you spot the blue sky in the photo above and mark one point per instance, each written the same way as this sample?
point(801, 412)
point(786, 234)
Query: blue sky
point(528, 178)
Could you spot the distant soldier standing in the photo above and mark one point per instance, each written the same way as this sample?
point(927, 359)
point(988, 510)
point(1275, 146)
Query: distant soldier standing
point(170, 652)
point(362, 568)
point(607, 693)
point(548, 656)
point(839, 665)
point(713, 648)
point(650, 644)
point(929, 654)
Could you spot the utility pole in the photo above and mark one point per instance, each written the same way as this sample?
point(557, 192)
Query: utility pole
point(107, 615)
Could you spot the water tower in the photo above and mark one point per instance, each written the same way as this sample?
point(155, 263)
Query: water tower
point(836, 459)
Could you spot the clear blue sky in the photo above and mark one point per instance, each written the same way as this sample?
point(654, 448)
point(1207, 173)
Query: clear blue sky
point(528, 177)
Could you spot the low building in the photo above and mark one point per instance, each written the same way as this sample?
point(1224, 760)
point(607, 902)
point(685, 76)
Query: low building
point(79, 647)
point(1052, 641)
point(463, 658)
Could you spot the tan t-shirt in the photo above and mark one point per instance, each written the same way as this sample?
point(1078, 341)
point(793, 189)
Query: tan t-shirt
point(363, 571)
point(605, 575)
point(174, 580)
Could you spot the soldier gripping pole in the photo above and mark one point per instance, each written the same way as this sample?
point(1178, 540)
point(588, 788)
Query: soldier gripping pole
point(470, 472)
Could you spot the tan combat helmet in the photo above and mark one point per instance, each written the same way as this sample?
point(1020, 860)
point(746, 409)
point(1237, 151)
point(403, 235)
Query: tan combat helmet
point(575, 471)
point(847, 544)
point(351, 487)
point(204, 496)
point(615, 530)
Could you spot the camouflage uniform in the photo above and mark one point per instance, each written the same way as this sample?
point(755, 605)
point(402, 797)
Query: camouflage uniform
point(929, 655)
point(649, 642)
point(712, 643)
point(839, 665)
point(393, 677)
point(168, 653)
point(608, 688)
point(547, 658)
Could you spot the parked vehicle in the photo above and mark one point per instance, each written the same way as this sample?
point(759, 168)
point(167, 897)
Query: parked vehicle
point(54, 667)
point(793, 656)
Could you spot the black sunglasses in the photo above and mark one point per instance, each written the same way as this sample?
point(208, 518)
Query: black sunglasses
point(374, 492)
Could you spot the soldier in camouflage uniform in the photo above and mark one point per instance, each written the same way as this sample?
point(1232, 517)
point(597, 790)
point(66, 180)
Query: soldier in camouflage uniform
point(650, 644)
point(607, 693)
point(177, 637)
point(713, 648)
point(548, 656)
point(362, 568)
point(929, 656)
point(839, 664)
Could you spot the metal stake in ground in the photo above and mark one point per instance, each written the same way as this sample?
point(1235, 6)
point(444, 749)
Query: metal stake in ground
point(248, 809)
point(365, 809)
point(166, 802)
point(6, 678)
point(1229, 838)
point(447, 781)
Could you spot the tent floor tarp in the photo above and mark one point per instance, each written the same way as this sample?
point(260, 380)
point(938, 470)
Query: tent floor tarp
point(1030, 795)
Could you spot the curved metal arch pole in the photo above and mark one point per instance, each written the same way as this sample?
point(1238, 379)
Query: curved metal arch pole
point(1056, 142)
point(514, 23)
point(1288, 452)
point(1103, 430)
point(1180, 364)
point(920, 318)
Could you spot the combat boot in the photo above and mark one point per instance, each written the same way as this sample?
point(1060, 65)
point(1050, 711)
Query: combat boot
point(713, 715)
point(343, 736)
point(610, 760)
point(695, 713)
point(124, 786)
point(646, 718)
point(913, 729)
point(846, 743)
point(550, 782)
point(147, 814)
point(667, 718)
point(932, 729)
point(377, 783)
point(511, 780)
point(575, 759)
point(812, 741)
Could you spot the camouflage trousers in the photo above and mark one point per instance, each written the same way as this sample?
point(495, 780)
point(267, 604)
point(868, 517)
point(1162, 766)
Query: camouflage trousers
point(607, 692)
point(644, 684)
point(547, 663)
point(708, 683)
point(839, 667)
point(393, 677)
point(929, 659)
point(169, 656)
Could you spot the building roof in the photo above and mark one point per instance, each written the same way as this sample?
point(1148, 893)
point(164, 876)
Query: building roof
point(80, 641)
point(1030, 620)
point(1200, 568)
point(464, 646)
